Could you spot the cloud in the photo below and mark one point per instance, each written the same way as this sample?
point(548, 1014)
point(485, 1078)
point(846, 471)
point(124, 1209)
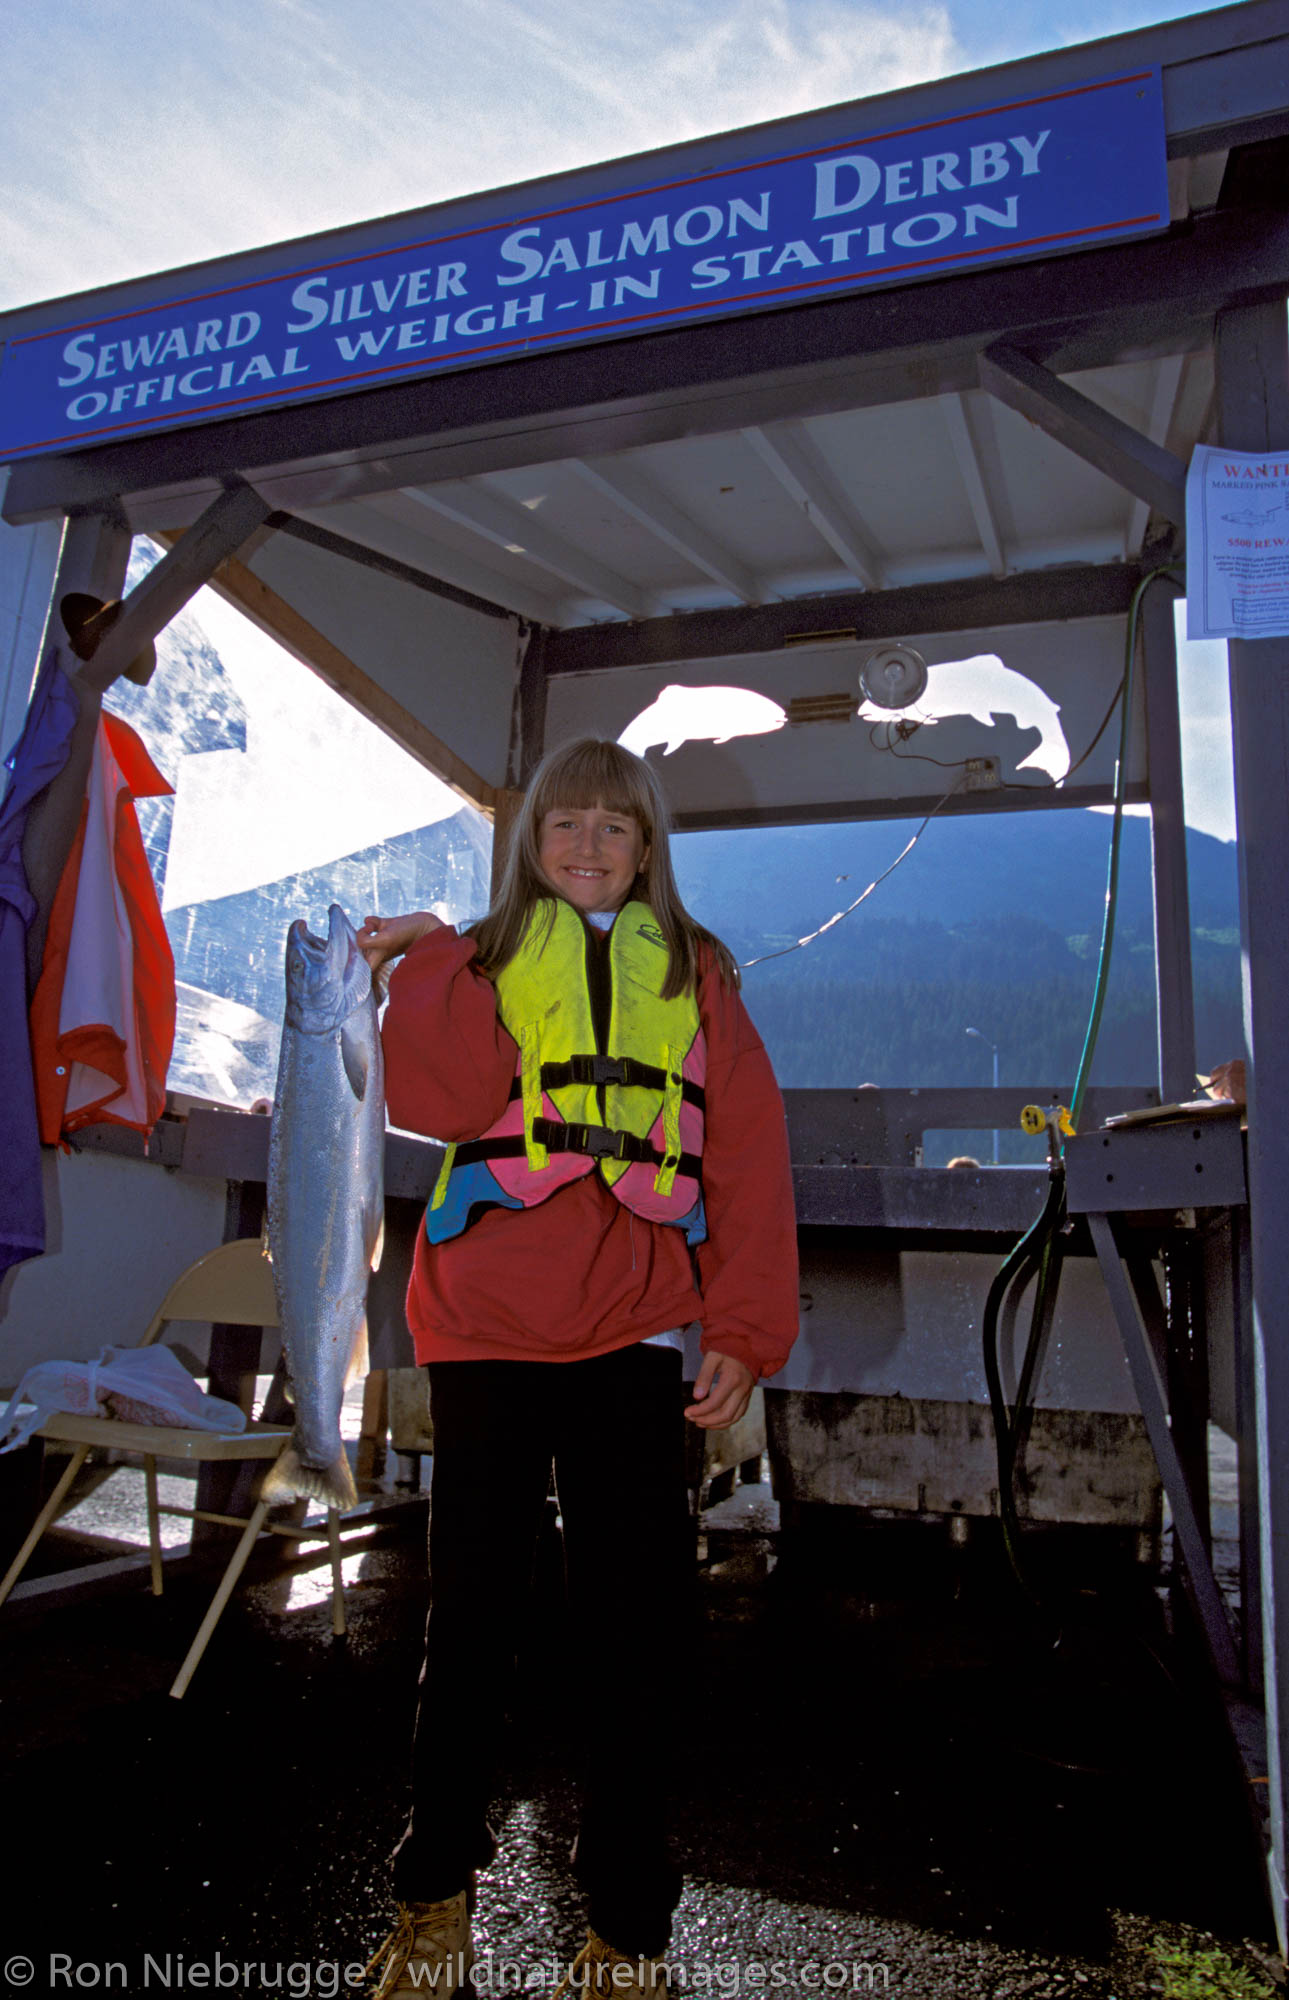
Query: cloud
point(138, 140)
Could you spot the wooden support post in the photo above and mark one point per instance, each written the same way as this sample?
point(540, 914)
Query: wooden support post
point(1148, 1383)
point(1175, 1003)
point(1253, 415)
point(337, 1573)
point(94, 556)
point(375, 1426)
point(532, 705)
point(528, 729)
point(506, 806)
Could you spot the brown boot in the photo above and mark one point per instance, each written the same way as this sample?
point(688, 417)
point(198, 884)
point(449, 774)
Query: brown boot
point(599, 1969)
point(427, 1952)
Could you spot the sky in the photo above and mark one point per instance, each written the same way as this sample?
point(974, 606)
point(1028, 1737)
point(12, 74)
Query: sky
point(139, 137)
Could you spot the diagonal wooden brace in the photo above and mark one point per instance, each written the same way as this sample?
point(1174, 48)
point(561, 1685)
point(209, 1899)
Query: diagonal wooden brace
point(1123, 454)
point(1148, 1383)
point(55, 815)
point(218, 533)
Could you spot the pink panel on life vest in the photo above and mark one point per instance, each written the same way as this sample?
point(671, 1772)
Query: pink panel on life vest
point(514, 1176)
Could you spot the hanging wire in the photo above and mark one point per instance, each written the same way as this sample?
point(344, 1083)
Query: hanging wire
point(1120, 694)
point(905, 731)
point(876, 883)
point(1112, 873)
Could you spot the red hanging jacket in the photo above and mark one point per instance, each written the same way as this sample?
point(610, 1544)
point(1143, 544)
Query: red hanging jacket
point(103, 1013)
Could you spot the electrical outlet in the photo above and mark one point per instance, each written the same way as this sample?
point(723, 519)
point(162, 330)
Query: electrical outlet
point(982, 774)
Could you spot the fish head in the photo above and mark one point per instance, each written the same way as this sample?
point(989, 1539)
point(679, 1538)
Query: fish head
point(326, 978)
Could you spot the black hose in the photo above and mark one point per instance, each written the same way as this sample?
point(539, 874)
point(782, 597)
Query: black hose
point(1049, 1278)
point(1041, 1243)
point(1031, 1252)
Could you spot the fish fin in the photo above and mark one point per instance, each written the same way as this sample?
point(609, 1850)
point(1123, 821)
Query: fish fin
point(378, 1247)
point(290, 1479)
point(351, 1055)
point(359, 1363)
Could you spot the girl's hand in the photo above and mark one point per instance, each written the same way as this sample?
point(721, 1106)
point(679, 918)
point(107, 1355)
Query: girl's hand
point(383, 938)
point(721, 1393)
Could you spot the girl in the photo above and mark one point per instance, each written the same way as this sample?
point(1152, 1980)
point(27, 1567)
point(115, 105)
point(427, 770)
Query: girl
point(620, 1170)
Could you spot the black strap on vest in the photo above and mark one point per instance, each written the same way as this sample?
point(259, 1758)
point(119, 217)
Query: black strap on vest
point(596, 1140)
point(597, 1070)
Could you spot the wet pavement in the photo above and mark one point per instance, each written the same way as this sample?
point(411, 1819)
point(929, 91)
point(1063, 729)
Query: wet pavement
point(929, 1788)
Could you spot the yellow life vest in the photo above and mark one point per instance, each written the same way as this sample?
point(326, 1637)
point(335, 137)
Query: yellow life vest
point(608, 1079)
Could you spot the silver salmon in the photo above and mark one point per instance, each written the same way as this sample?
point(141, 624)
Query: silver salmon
point(326, 1195)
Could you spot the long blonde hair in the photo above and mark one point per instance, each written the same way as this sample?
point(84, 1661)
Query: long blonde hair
point(586, 773)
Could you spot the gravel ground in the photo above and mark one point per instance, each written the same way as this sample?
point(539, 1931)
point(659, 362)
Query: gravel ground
point(929, 1791)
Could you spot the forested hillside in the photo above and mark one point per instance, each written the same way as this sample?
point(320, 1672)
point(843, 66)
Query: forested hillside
point(992, 922)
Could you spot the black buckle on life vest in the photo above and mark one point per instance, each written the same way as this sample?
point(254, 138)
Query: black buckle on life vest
point(598, 1069)
point(597, 1141)
point(625, 1070)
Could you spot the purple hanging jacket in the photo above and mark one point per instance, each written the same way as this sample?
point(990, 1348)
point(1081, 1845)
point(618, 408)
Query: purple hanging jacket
point(41, 752)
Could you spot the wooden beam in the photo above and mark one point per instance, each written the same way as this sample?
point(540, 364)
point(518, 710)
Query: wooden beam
point(962, 604)
point(913, 805)
point(405, 530)
point(1164, 401)
point(638, 497)
point(368, 558)
point(1083, 427)
point(824, 507)
point(513, 529)
point(973, 480)
point(241, 587)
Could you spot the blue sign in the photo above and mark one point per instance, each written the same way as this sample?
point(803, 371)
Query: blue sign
point(1072, 168)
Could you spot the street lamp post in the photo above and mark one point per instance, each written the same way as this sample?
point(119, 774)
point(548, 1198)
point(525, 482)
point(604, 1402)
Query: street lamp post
point(994, 1046)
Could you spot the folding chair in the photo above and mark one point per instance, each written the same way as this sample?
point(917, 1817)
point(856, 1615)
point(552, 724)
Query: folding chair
point(233, 1285)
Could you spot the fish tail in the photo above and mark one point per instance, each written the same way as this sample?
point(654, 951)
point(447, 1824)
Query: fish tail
point(289, 1478)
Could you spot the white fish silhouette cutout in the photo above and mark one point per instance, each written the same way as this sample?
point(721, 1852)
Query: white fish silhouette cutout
point(983, 688)
point(701, 715)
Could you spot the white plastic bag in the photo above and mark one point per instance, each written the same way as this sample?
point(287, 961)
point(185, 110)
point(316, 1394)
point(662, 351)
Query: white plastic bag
point(141, 1385)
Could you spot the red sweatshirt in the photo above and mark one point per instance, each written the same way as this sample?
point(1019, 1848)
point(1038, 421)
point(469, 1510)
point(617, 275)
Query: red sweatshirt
point(579, 1274)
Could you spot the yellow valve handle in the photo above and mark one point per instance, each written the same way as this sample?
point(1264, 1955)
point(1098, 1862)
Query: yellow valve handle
point(1034, 1119)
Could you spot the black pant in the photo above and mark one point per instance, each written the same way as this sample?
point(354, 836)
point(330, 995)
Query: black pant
point(613, 1420)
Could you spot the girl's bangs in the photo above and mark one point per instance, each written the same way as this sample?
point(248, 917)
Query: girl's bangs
point(592, 773)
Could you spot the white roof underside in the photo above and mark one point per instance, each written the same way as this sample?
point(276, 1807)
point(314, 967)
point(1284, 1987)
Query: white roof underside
point(905, 493)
